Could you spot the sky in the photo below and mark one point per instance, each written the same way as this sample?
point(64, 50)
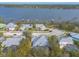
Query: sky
point(40, 3)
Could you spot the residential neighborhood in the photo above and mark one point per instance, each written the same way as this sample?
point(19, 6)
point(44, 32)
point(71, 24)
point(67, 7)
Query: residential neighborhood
point(39, 36)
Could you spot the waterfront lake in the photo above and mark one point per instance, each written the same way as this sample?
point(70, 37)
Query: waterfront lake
point(38, 13)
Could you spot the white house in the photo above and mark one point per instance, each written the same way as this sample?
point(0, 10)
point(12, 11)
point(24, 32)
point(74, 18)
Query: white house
point(26, 26)
point(11, 26)
point(40, 27)
point(13, 33)
point(65, 41)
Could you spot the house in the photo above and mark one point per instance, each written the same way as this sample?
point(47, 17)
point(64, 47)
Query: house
point(12, 33)
point(57, 32)
point(2, 39)
point(26, 26)
point(40, 27)
point(2, 26)
point(65, 41)
point(71, 47)
point(11, 26)
point(75, 36)
point(39, 41)
point(13, 41)
point(54, 32)
point(13, 47)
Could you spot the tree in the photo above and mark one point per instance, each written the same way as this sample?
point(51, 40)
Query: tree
point(76, 43)
point(34, 26)
point(10, 52)
point(40, 52)
point(0, 49)
point(67, 26)
point(24, 48)
point(74, 53)
point(17, 28)
point(54, 47)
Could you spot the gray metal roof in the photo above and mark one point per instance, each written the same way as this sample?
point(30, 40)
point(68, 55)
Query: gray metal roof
point(12, 41)
point(71, 48)
point(75, 36)
point(39, 41)
point(66, 39)
point(2, 39)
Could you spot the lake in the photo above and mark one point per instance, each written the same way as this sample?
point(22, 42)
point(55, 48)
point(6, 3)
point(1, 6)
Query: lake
point(38, 13)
